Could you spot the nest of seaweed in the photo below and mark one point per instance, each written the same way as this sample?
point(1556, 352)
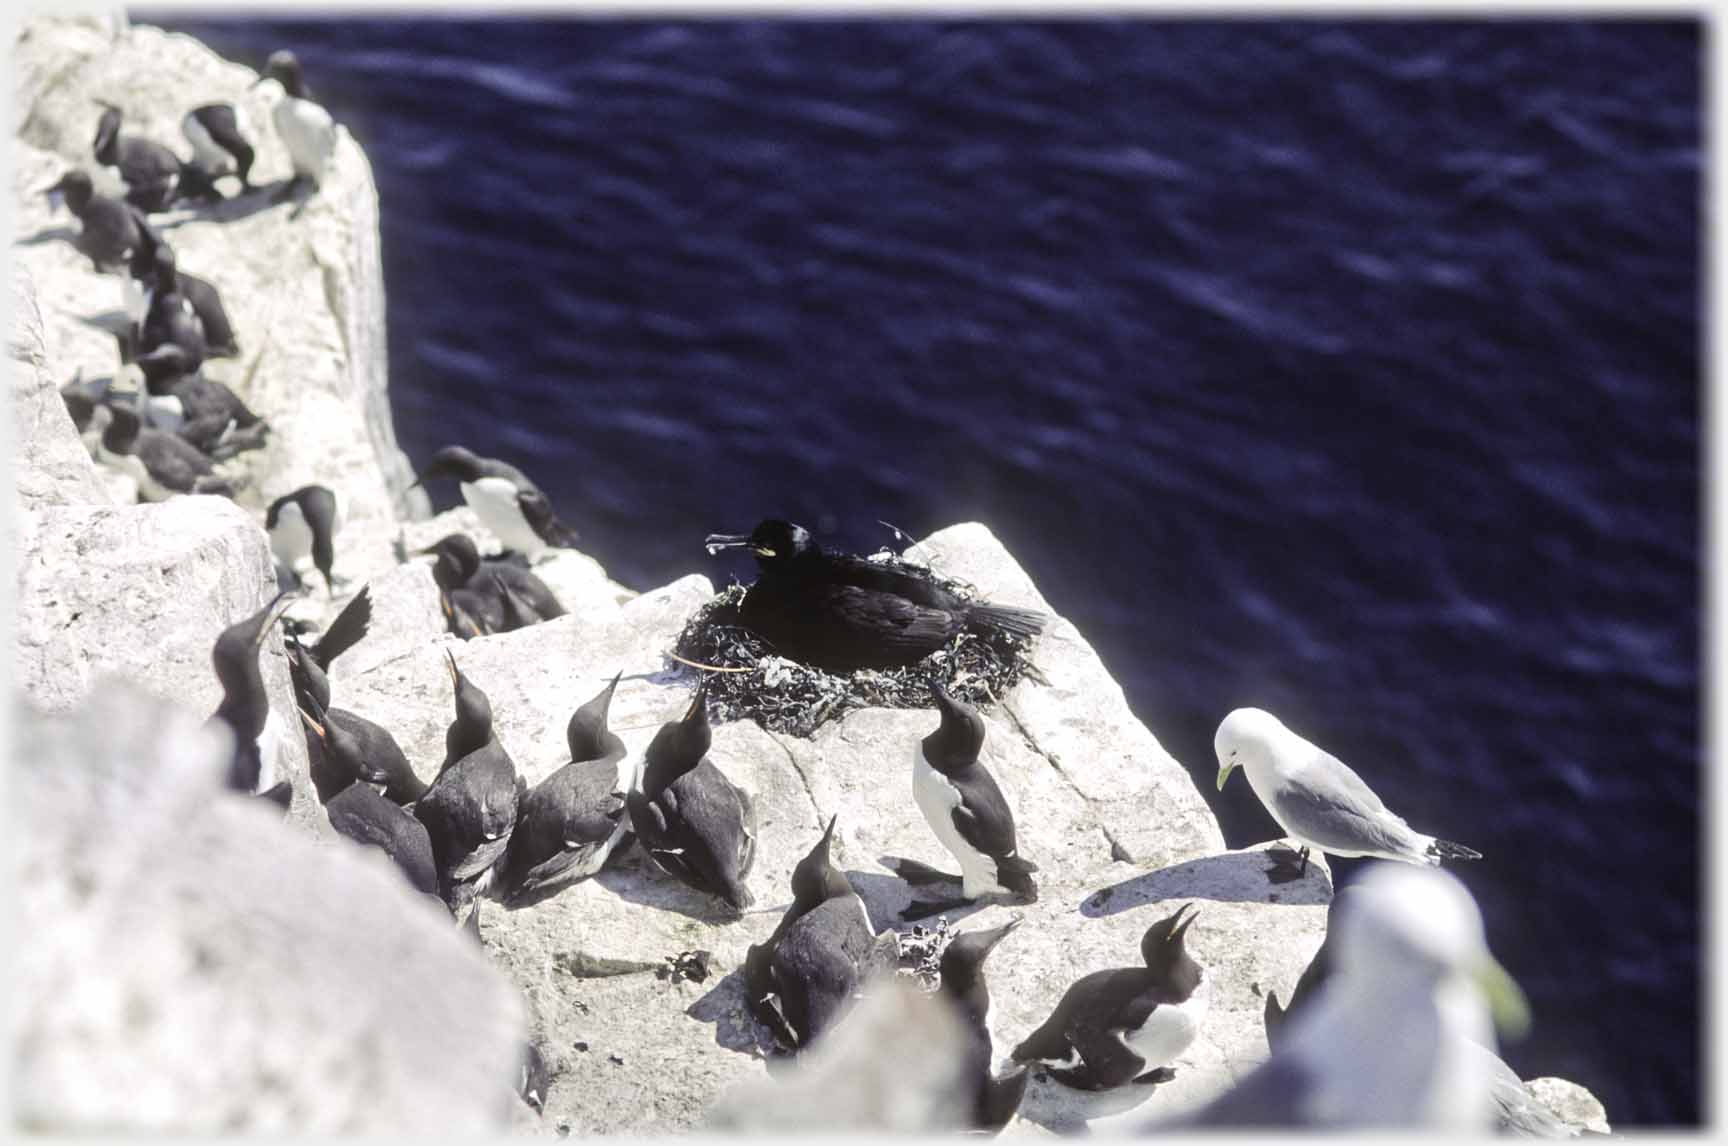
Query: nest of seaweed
point(788, 696)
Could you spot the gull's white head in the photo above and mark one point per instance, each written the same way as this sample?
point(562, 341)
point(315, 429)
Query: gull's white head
point(1408, 921)
point(1247, 736)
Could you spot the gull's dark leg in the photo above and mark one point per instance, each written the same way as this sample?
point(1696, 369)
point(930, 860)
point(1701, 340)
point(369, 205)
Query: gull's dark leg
point(1288, 865)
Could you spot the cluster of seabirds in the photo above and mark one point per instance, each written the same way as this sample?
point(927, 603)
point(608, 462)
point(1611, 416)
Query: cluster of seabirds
point(1391, 1024)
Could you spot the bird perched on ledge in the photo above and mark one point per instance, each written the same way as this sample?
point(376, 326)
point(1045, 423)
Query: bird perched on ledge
point(508, 504)
point(840, 612)
point(1317, 799)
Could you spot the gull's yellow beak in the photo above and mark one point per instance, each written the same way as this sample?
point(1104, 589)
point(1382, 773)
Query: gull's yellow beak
point(1506, 1002)
point(1224, 771)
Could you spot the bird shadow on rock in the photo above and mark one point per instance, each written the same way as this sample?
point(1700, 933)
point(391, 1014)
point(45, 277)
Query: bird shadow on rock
point(261, 197)
point(617, 859)
point(886, 896)
point(734, 1027)
point(637, 880)
point(1064, 1110)
point(1235, 877)
point(47, 235)
point(111, 321)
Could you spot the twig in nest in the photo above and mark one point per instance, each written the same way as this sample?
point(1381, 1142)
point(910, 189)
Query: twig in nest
point(709, 668)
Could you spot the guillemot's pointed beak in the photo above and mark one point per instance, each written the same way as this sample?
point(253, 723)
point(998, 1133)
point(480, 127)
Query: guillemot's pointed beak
point(1178, 932)
point(271, 613)
point(718, 541)
point(696, 712)
point(455, 673)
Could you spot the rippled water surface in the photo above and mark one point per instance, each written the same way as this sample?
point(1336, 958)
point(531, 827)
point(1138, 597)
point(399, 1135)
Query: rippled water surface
point(1350, 371)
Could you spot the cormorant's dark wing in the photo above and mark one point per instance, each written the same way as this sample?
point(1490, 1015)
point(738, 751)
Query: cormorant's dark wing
point(884, 619)
point(921, 589)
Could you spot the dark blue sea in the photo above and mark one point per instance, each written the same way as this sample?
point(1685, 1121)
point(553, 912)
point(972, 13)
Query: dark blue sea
point(1349, 370)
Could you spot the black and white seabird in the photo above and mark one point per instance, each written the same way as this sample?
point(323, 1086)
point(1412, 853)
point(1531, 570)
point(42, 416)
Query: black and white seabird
point(156, 268)
point(459, 567)
point(1126, 1025)
point(162, 464)
point(572, 821)
point(470, 807)
point(200, 409)
point(801, 979)
point(108, 234)
point(302, 526)
point(508, 504)
point(245, 708)
point(151, 170)
point(217, 133)
point(305, 128)
point(169, 315)
point(693, 822)
point(533, 1080)
point(361, 814)
point(964, 807)
point(1514, 1110)
point(993, 1100)
point(840, 612)
point(1319, 801)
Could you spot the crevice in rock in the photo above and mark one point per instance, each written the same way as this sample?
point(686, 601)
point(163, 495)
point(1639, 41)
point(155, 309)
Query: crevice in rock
point(803, 779)
point(1117, 851)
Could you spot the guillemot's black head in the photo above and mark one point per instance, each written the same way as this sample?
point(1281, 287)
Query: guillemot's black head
point(815, 879)
point(107, 133)
point(456, 559)
point(311, 684)
point(457, 462)
point(235, 655)
point(76, 188)
point(774, 542)
point(283, 66)
point(958, 739)
point(1166, 954)
point(587, 734)
point(472, 727)
point(121, 436)
point(163, 366)
point(340, 746)
point(678, 746)
point(963, 960)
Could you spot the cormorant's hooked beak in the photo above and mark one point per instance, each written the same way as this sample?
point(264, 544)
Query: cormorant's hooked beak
point(1506, 1002)
point(718, 541)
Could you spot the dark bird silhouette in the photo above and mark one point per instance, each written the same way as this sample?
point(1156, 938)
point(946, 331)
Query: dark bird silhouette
point(459, 568)
point(217, 133)
point(150, 170)
point(365, 817)
point(1122, 1026)
point(839, 612)
point(470, 807)
point(162, 464)
point(512, 507)
point(203, 411)
point(109, 232)
point(694, 823)
point(572, 821)
point(967, 812)
point(245, 707)
point(993, 1100)
point(303, 523)
point(801, 979)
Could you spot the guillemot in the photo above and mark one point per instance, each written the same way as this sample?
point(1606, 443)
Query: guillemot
point(993, 1100)
point(108, 229)
point(150, 170)
point(512, 507)
point(205, 412)
point(305, 128)
point(162, 464)
point(839, 612)
point(570, 823)
point(458, 566)
point(1126, 1025)
point(964, 807)
point(694, 823)
point(801, 979)
point(470, 807)
point(217, 133)
point(302, 525)
point(245, 707)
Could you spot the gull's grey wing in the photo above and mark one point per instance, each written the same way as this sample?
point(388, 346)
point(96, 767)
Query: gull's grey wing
point(1515, 1110)
point(1329, 805)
